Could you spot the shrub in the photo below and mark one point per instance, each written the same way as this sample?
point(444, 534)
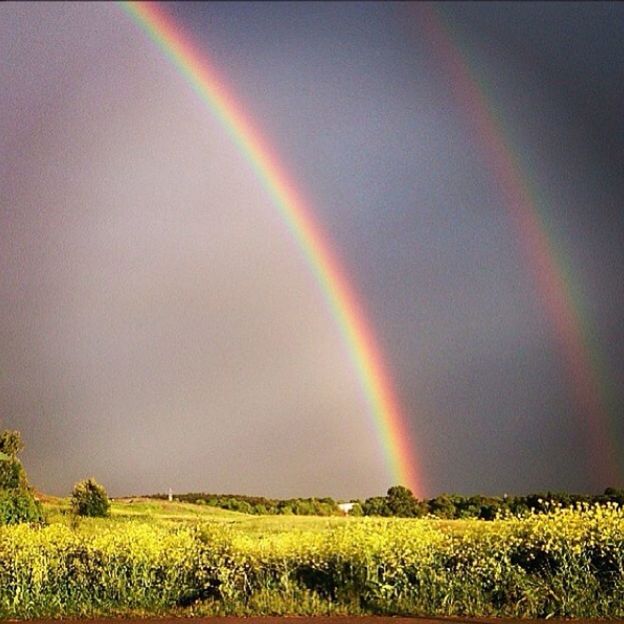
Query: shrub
point(89, 498)
point(17, 500)
point(356, 510)
point(16, 507)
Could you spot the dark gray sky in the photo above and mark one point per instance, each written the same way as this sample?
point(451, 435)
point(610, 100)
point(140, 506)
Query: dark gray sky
point(160, 328)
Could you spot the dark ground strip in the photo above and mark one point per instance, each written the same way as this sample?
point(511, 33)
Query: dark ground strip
point(321, 620)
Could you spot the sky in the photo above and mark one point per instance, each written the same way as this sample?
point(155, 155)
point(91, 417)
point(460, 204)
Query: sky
point(159, 325)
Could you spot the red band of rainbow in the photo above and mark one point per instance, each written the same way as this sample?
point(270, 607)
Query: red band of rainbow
point(528, 214)
point(397, 447)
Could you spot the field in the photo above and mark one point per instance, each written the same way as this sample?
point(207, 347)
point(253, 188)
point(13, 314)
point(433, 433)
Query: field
point(156, 557)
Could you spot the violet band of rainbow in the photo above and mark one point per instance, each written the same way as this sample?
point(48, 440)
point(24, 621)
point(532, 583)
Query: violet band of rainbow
point(554, 281)
point(390, 423)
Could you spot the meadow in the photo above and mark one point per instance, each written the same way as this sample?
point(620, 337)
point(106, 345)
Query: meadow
point(156, 557)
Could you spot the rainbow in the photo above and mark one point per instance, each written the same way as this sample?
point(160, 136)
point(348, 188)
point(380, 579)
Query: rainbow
point(390, 422)
point(553, 277)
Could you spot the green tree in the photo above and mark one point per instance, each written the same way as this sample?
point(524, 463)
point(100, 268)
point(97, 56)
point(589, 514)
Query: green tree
point(468, 507)
point(376, 506)
point(89, 498)
point(17, 499)
point(442, 506)
point(401, 502)
point(12, 474)
point(11, 443)
point(356, 510)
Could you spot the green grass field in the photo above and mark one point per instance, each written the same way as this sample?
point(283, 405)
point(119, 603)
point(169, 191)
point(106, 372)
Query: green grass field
point(143, 509)
point(165, 513)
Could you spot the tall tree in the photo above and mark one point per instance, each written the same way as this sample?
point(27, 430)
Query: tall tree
point(17, 499)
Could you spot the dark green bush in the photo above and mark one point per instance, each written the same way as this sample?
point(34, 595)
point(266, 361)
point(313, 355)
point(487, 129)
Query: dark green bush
point(16, 507)
point(17, 500)
point(89, 498)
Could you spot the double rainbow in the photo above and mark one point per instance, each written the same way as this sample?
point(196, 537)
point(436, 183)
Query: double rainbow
point(553, 282)
point(397, 447)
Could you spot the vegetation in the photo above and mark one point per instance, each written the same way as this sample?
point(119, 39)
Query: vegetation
point(259, 505)
point(400, 502)
point(535, 556)
point(17, 499)
point(566, 562)
point(90, 499)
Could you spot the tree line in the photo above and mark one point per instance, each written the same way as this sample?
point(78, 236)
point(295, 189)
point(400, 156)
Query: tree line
point(259, 505)
point(399, 501)
point(18, 502)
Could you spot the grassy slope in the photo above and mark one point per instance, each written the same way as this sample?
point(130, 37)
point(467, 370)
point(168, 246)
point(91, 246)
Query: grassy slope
point(145, 510)
point(268, 565)
point(151, 511)
point(163, 512)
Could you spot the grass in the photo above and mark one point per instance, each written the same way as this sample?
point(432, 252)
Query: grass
point(165, 513)
point(57, 511)
point(160, 558)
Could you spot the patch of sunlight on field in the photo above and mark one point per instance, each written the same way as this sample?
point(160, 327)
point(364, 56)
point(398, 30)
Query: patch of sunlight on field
point(158, 558)
point(165, 510)
point(143, 510)
point(276, 526)
point(283, 524)
point(165, 513)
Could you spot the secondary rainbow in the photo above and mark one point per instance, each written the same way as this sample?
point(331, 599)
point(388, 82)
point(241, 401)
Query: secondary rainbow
point(554, 280)
point(397, 447)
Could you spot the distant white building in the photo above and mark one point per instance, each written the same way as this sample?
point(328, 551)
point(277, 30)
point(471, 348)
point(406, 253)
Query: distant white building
point(345, 507)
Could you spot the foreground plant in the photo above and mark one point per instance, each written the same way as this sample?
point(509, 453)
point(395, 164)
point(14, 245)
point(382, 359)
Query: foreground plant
point(569, 562)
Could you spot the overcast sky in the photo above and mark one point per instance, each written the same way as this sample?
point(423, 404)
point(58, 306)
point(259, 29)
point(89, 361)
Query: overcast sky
point(159, 326)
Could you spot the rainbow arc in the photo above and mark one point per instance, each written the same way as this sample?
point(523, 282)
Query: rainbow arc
point(376, 383)
point(529, 217)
